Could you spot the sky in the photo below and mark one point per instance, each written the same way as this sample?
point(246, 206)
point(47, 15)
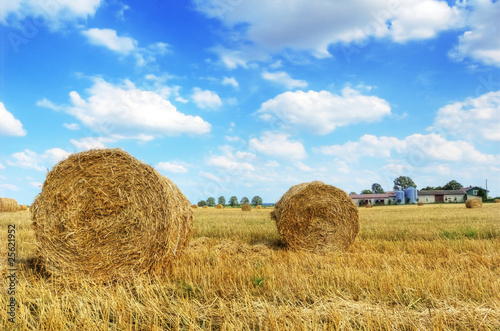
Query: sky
point(245, 98)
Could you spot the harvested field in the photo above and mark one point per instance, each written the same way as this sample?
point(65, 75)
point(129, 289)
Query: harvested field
point(410, 268)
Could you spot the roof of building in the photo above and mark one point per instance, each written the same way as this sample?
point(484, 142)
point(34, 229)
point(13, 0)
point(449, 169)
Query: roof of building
point(385, 195)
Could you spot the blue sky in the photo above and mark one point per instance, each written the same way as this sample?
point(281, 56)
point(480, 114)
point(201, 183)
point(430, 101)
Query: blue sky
point(244, 98)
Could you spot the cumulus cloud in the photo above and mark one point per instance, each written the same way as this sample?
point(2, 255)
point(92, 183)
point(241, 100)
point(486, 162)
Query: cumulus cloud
point(109, 39)
point(278, 145)
point(9, 125)
point(206, 99)
point(87, 143)
point(480, 41)
point(322, 112)
point(416, 148)
point(473, 118)
point(131, 112)
point(231, 81)
point(54, 13)
point(314, 25)
point(282, 78)
point(31, 160)
point(175, 167)
point(231, 160)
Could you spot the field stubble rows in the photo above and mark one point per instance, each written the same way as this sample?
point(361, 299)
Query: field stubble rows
point(432, 267)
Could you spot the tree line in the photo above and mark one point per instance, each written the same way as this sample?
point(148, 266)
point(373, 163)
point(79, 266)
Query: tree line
point(403, 182)
point(233, 201)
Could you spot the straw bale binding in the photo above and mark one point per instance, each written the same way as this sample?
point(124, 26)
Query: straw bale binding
point(104, 214)
point(316, 217)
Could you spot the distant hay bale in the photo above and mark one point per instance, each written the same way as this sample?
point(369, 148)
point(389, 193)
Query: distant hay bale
point(420, 204)
point(246, 207)
point(194, 206)
point(219, 206)
point(473, 203)
point(258, 207)
point(104, 214)
point(497, 200)
point(8, 205)
point(316, 217)
point(369, 205)
point(23, 207)
point(204, 206)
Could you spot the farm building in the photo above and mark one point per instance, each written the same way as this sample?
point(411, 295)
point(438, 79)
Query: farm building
point(431, 196)
point(383, 198)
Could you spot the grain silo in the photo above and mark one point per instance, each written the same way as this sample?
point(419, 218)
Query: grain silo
point(400, 197)
point(411, 195)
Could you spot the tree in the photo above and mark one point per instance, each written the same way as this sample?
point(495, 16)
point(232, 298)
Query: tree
point(482, 193)
point(452, 185)
point(221, 200)
point(233, 201)
point(353, 193)
point(211, 201)
point(366, 192)
point(428, 188)
point(202, 203)
point(403, 182)
point(244, 200)
point(377, 188)
point(256, 200)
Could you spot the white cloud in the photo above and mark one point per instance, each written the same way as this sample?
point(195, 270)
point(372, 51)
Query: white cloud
point(276, 144)
point(109, 39)
point(31, 160)
point(36, 184)
point(321, 112)
point(9, 125)
point(315, 24)
point(71, 126)
point(130, 112)
point(231, 160)
point(473, 118)
point(206, 99)
point(416, 148)
point(480, 42)
point(9, 187)
point(281, 77)
point(87, 143)
point(55, 13)
point(172, 167)
point(2, 166)
point(230, 81)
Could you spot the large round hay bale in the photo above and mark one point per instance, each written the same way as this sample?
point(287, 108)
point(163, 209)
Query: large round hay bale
point(8, 205)
point(104, 214)
point(194, 206)
point(473, 203)
point(369, 205)
point(204, 206)
point(219, 206)
point(258, 207)
point(316, 217)
point(497, 200)
point(246, 207)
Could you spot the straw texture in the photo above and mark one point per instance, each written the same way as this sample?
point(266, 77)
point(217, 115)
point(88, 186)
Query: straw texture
point(316, 217)
point(8, 205)
point(246, 207)
point(473, 203)
point(104, 214)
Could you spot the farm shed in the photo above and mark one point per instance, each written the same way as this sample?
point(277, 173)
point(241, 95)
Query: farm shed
point(374, 199)
point(431, 196)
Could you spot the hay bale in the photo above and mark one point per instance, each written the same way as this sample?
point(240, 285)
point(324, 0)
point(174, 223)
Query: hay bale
point(204, 206)
point(369, 205)
point(219, 206)
point(258, 207)
point(8, 205)
point(316, 217)
point(420, 204)
point(23, 207)
point(194, 206)
point(246, 207)
point(497, 200)
point(473, 203)
point(104, 214)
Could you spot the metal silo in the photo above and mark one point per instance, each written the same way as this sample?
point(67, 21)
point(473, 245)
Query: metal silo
point(400, 197)
point(411, 195)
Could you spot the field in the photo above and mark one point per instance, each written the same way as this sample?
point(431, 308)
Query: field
point(410, 268)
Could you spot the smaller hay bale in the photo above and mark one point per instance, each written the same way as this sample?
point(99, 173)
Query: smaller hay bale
point(473, 203)
point(246, 207)
point(8, 205)
point(258, 207)
point(420, 204)
point(369, 205)
point(194, 206)
point(497, 200)
point(205, 206)
point(219, 206)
